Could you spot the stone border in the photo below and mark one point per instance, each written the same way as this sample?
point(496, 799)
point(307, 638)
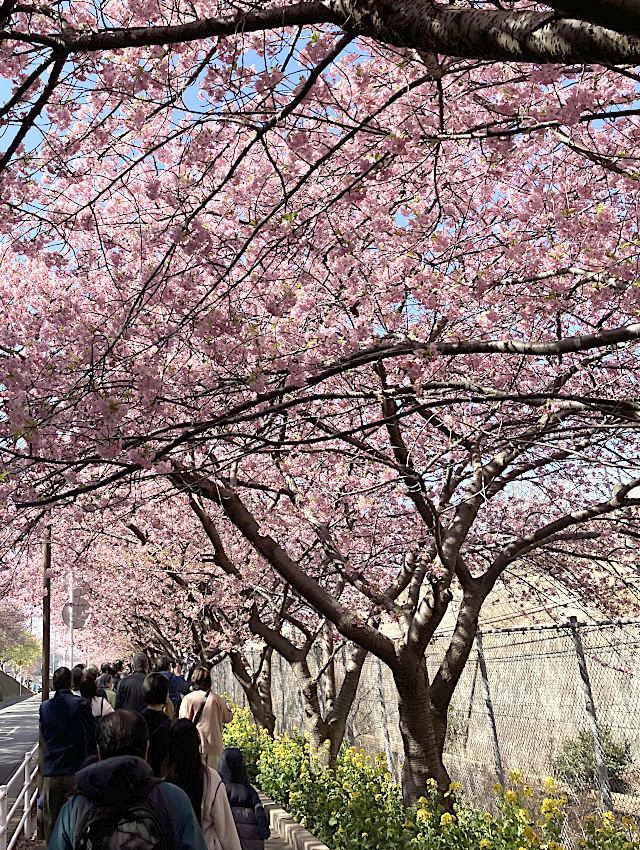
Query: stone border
point(296, 837)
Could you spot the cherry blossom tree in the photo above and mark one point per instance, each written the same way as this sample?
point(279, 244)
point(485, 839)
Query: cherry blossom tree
point(286, 625)
point(363, 275)
point(465, 485)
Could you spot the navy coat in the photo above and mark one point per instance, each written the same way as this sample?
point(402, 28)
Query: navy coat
point(68, 731)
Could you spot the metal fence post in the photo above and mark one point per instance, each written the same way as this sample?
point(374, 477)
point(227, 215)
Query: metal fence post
point(4, 826)
point(351, 732)
point(385, 719)
point(283, 706)
point(489, 706)
point(601, 762)
point(27, 795)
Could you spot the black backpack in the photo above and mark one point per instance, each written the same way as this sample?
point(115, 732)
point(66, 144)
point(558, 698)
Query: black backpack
point(112, 825)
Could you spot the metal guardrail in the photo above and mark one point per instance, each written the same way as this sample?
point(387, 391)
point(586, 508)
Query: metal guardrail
point(26, 796)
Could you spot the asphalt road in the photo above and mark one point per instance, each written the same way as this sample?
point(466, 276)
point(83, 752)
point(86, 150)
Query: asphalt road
point(18, 733)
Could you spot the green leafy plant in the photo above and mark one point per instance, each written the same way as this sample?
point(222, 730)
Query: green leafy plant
point(243, 733)
point(604, 833)
point(358, 805)
point(576, 764)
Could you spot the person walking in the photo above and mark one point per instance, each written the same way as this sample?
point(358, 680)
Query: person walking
point(116, 671)
point(178, 686)
point(154, 693)
point(208, 712)
point(92, 670)
point(105, 681)
point(67, 729)
point(202, 786)
point(119, 803)
point(76, 675)
point(129, 693)
point(248, 812)
point(89, 690)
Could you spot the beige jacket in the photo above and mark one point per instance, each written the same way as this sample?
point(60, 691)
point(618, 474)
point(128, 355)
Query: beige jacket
point(215, 713)
point(218, 828)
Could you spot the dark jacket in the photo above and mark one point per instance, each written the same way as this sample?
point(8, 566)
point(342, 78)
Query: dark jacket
point(178, 686)
point(248, 814)
point(68, 731)
point(158, 725)
point(116, 776)
point(129, 693)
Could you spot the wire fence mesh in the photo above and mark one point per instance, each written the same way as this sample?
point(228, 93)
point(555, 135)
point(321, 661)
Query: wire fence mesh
point(540, 724)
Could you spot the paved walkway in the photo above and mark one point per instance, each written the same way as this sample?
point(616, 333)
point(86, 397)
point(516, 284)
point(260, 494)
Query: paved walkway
point(18, 733)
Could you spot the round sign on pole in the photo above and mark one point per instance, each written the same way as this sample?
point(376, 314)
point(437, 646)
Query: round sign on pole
point(79, 614)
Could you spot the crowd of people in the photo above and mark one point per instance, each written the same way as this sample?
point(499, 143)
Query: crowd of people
point(137, 762)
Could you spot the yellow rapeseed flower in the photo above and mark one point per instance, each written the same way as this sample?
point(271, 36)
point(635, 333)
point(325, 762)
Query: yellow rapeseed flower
point(455, 787)
point(484, 844)
point(515, 777)
point(497, 788)
point(423, 816)
point(447, 820)
point(608, 818)
point(550, 785)
point(549, 806)
point(510, 797)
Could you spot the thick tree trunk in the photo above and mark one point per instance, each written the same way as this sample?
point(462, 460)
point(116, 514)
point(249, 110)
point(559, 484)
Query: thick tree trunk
point(256, 689)
point(421, 740)
point(326, 739)
point(261, 709)
point(322, 735)
point(327, 729)
point(264, 692)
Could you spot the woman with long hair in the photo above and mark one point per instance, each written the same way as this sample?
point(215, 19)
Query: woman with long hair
point(202, 785)
point(88, 689)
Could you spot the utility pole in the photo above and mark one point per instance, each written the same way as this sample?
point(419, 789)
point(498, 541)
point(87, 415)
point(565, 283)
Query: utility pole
point(46, 611)
point(71, 618)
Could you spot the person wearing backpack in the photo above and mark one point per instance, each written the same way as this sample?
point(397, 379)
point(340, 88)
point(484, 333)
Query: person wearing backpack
point(248, 812)
point(178, 686)
point(119, 804)
point(202, 785)
point(208, 712)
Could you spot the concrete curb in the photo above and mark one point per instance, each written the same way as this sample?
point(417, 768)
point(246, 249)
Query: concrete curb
point(291, 833)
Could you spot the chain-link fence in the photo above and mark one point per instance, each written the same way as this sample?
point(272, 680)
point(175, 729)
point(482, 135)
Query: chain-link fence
point(528, 699)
